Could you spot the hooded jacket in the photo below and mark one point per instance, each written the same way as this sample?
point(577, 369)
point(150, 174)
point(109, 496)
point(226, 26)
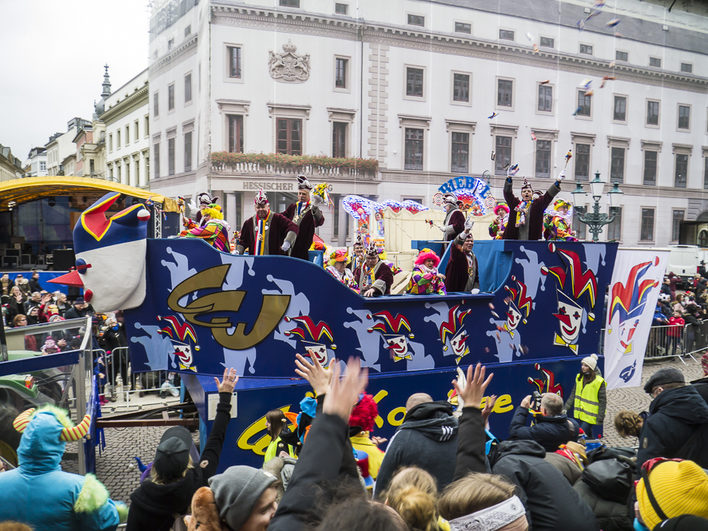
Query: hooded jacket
point(155, 506)
point(38, 493)
point(551, 503)
point(549, 432)
point(427, 438)
point(674, 415)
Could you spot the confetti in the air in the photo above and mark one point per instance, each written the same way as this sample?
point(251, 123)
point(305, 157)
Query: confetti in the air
point(613, 22)
point(493, 115)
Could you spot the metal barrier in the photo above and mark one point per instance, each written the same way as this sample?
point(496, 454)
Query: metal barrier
point(668, 341)
point(116, 363)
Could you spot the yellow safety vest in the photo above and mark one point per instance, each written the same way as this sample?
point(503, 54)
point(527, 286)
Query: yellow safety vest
point(586, 407)
point(272, 448)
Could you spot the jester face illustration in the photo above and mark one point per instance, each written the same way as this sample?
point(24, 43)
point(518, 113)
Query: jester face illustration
point(626, 331)
point(184, 355)
point(513, 317)
point(570, 316)
point(459, 344)
point(398, 345)
point(317, 351)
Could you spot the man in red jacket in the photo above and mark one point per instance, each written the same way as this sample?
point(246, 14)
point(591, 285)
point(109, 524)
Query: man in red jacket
point(306, 214)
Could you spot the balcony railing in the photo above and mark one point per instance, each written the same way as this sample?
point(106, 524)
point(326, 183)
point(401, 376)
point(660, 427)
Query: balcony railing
point(280, 164)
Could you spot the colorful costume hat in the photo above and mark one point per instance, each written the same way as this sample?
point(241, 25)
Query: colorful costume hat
point(261, 198)
point(303, 183)
point(427, 254)
point(501, 206)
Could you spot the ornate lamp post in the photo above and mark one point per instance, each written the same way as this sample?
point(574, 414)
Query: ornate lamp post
point(595, 220)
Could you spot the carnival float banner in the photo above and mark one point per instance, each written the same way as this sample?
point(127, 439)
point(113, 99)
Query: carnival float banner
point(475, 194)
point(635, 287)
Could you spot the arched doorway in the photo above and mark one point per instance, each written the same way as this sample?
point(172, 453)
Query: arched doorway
point(703, 238)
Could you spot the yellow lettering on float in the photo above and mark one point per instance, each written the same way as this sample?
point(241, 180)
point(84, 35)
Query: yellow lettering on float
point(393, 417)
point(260, 445)
point(503, 404)
point(378, 397)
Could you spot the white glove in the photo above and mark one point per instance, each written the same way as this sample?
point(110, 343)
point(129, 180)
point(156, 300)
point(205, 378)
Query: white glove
point(316, 199)
point(286, 246)
point(561, 175)
point(469, 223)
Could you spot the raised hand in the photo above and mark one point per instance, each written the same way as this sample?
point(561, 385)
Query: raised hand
point(344, 393)
point(317, 376)
point(228, 382)
point(474, 386)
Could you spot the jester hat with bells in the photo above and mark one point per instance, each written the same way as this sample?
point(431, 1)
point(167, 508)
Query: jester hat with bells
point(59, 426)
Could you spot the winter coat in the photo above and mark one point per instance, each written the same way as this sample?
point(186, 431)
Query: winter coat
point(326, 456)
point(470, 455)
point(363, 443)
point(427, 438)
point(549, 432)
point(38, 493)
point(611, 516)
point(306, 228)
point(551, 503)
point(675, 326)
point(673, 416)
point(154, 507)
point(535, 216)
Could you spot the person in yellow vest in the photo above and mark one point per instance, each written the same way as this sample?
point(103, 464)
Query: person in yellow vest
point(589, 398)
point(275, 424)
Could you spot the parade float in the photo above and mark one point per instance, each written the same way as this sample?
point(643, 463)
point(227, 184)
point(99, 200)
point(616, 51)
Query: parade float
point(192, 309)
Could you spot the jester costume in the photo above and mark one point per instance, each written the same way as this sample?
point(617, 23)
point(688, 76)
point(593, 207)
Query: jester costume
point(557, 222)
point(345, 276)
point(213, 229)
point(379, 277)
point(38, 493)
point(424, 280)
point(498, 225)
point(526, 217)
point(454, 222)
point(306, 215)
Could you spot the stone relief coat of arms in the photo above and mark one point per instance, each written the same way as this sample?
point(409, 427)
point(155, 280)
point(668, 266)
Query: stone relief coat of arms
point(288, 66)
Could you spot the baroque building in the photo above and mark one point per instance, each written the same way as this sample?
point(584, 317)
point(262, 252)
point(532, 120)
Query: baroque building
point(389, 100)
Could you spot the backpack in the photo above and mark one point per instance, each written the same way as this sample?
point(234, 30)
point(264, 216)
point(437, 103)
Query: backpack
point(610, 479)
point(696, 446)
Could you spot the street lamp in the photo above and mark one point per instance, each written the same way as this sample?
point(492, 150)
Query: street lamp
point(596, 220)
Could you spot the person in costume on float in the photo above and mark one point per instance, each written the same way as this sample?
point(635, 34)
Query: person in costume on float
point(461, 273)
point(557, 225)
point(497, 226)
point(267, 232)
point(374, 277)
point(306, 214)
point(454, 219)
point(213, 229)
point(357, 258)
point(425, 279)
point(526, 214)
point(204, 200)
point(338, 269)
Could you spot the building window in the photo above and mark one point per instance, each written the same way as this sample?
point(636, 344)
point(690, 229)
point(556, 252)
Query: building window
point(171, 97)
point(582, 162)
point(681, 170)
point(127, 135)
point(188, 151)
point(289, 3)
point(92, 167)
point(117, 139)
point(547, 42)
point(136, 130)
point(460, 152)
point(652, 112)
point(339, 139)
point(341, 67)
point(621, 56)
point(413, 149)
point(684, 114)
point(687, 67)
point(234, 56)
point(620, 110)
point(461, 87)
point(136, 163)
point(646, 233)
point(586, 49)
point(235, 124)
point(506, 35)
point(614, 229)
point(677, 218)
point(655, 61)
point(42, 166)
point(119, 177)
point(156, 158)
point(505, 91)
point(650, 159)
point(502, 154)
point(416, 20)
point(110, 142)
point(617, 165)
point(170, 44)
point(146, 127)
point(545, 98)
point(188, 30)
point(414, 82)
point(584, 103)
point(579, 227)
point(341, 9)
point(289, 136)
point(188, 88)
point(171, 156)
point(543, 158)
point(463, 27)
point(705, 172)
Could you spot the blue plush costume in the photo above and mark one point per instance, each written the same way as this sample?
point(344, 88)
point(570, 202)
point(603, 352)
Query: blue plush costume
point(40, 494)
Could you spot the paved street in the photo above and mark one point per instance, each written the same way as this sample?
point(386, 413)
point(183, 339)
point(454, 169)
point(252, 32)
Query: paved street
point(117, 469)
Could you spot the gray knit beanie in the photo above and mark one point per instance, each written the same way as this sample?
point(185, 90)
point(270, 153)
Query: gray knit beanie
point(236, 491)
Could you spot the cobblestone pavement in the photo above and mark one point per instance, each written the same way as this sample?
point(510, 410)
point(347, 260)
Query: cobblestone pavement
point(117, 469)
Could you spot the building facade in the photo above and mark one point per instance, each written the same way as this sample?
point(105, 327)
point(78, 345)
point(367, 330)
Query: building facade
point(61, 150)
point(245, 95)
point(10, 166)
point(127, 129)
point(37, 162)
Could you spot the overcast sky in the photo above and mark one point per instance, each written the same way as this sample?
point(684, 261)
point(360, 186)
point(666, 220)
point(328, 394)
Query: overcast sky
point(53, 52)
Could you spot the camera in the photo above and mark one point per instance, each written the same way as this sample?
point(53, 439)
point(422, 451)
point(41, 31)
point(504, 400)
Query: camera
point(536, 401)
